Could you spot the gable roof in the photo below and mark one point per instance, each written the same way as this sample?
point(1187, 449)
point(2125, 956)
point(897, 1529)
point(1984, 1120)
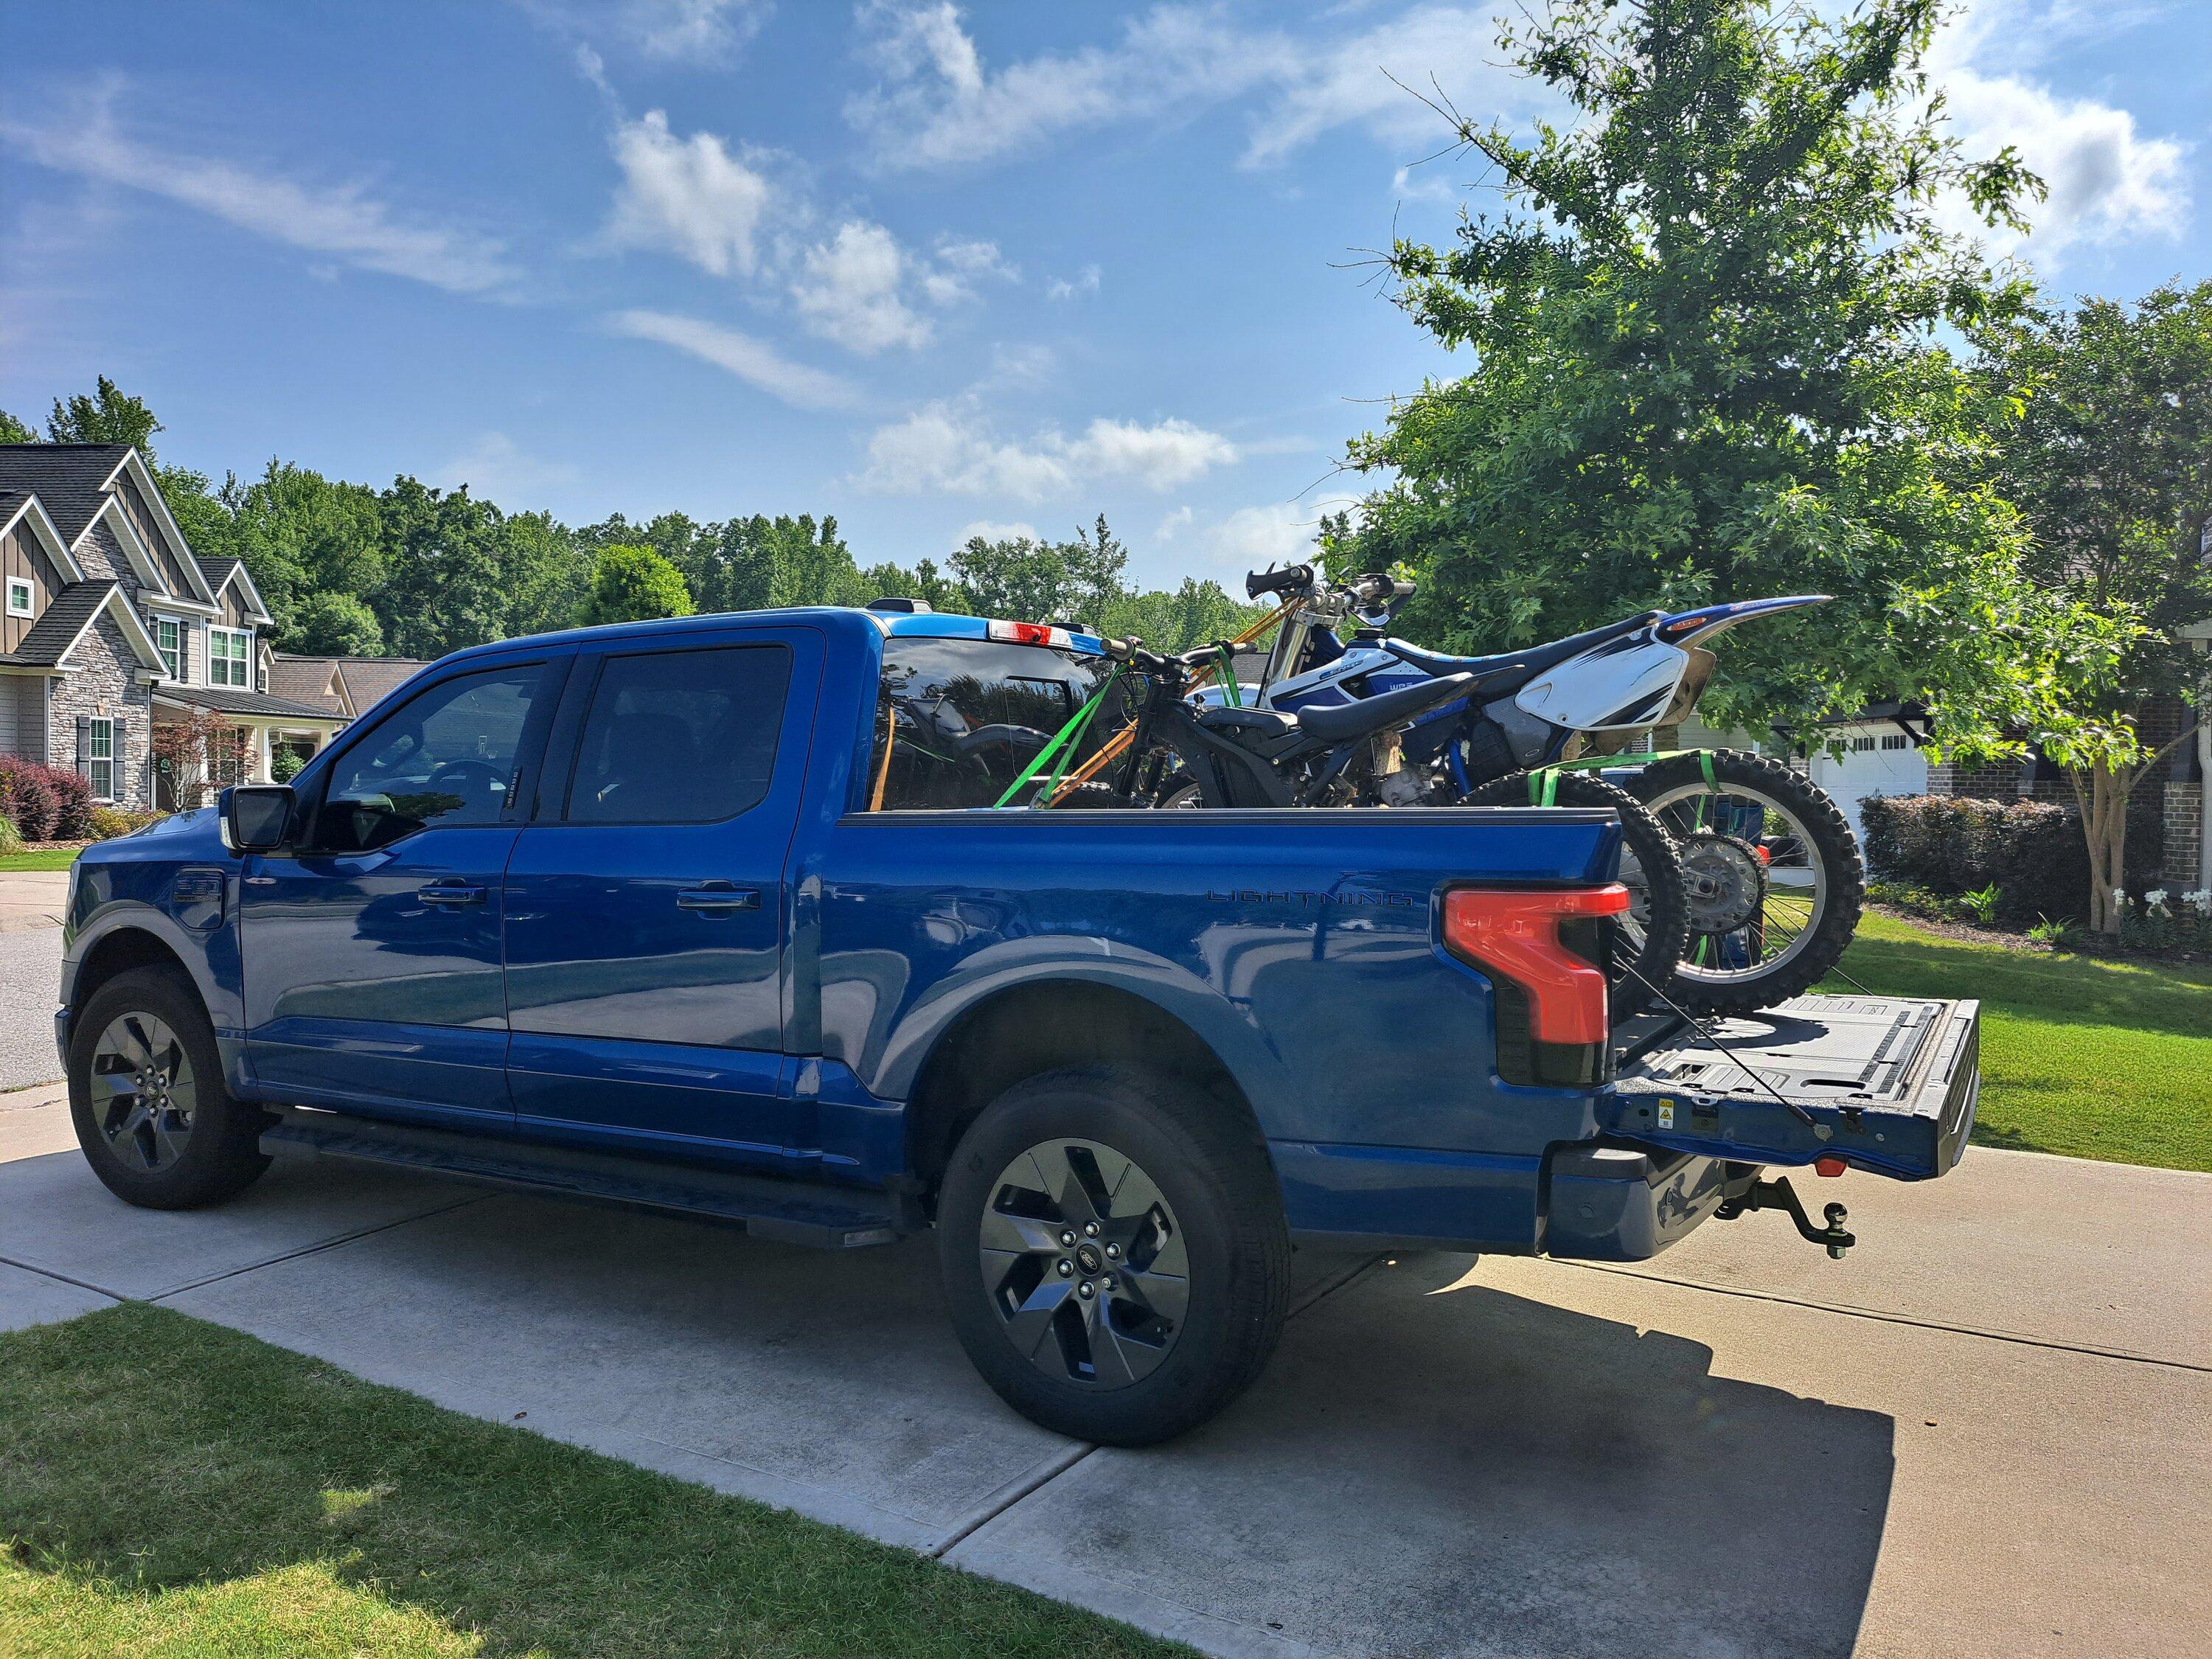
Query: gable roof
point(351, 685)
point(66, 617)
point(75, 483)
point(71, 480)
point(21, 507)
point(223, 700)
point(221, 572)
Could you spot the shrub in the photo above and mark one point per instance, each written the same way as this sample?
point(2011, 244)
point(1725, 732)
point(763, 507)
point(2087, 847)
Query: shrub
point(284, 765)
point(73, 806)
point(26, 797)
point(11, 839)
point(109, 822)
point(2030, 851)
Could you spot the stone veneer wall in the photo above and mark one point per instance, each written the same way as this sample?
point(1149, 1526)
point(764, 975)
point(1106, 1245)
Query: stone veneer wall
point(105, 683)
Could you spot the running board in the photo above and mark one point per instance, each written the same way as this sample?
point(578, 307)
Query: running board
point(787, 1212)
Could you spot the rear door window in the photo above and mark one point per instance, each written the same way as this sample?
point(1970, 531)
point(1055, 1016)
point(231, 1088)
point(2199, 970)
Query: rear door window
point(957, 720)
point(680, 737)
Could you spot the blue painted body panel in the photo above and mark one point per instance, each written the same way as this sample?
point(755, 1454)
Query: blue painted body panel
point(578, 1005)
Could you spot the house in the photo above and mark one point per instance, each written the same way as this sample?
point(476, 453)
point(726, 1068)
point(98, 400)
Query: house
point(111, 626)
point(347, 686)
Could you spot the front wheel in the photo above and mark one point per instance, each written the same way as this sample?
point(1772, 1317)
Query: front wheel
point(1648, 942)
point(1776, 882)
point(147, 1096)
point(1114, 1253)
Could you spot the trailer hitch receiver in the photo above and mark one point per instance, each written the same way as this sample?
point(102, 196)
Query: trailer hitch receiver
point(1779, 1194)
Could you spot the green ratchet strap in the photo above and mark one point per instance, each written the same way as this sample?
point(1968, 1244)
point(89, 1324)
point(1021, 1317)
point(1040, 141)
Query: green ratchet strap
point(1230, 693)
point(1543, 785)
point(1067, 739)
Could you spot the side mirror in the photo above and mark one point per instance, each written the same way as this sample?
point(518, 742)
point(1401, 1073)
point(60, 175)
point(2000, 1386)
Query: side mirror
point(257, 816)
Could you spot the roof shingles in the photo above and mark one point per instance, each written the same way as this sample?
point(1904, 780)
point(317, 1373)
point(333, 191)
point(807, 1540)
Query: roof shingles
point(67, 479)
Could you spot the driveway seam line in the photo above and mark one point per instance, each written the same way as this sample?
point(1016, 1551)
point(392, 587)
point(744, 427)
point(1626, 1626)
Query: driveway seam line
point(1007, 1496)
point(81, 1284)
point(1846, 1311)
point(311, 1249)
point(1330, 1287)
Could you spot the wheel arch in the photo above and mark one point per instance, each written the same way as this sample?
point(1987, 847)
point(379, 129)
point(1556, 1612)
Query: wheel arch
point(1044, 1025)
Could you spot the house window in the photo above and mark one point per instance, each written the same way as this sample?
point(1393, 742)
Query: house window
point(99, 758)
point(170, 638)
point(19, 597)
point(1894, 740)
point(228, 649)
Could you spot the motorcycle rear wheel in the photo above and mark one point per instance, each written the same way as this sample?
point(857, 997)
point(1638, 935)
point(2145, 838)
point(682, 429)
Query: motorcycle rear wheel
point(1812, 894)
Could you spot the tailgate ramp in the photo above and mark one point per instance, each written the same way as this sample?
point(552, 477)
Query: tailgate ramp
point(1886, 1084)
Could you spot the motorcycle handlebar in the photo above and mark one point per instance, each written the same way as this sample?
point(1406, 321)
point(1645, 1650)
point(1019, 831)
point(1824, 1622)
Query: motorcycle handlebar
point(1285, 581)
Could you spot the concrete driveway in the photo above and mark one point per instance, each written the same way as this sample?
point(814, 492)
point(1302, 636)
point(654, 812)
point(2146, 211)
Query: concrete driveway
point(1984, 1433)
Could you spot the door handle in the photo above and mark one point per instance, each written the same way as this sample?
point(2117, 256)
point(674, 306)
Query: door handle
point(717, 896)
point(450, 892)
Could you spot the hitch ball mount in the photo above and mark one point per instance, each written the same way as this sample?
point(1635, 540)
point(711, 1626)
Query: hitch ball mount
point(1779, 1194)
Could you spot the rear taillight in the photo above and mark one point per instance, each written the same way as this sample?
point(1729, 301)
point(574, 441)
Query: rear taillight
point(1021, 633)
point(1535, 945)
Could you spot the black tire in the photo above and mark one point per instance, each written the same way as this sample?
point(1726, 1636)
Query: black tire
point(1833, 915)
point(1639, 967)
point(1210, 1170)
point(213, 1150)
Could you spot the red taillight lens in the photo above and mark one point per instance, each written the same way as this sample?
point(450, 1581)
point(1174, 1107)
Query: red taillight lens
point(1516, 934)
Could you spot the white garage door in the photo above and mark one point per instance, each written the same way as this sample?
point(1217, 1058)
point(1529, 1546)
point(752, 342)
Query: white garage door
point(1877, 760)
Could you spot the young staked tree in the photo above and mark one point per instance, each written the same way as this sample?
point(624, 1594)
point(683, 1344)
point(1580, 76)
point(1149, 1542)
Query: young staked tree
point(2112, 465)
point(1707, 364)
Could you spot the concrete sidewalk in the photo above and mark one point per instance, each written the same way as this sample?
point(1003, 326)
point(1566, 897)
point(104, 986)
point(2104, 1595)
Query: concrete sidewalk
point(31, 899)
point(1983, 1432)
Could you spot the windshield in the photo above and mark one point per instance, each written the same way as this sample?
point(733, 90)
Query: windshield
point(957, 720)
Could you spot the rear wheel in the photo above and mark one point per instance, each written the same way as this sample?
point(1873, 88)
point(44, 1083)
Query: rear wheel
point(1777, 885)
point(1113, 1253)
point(1647, 942)
point(147, 1096)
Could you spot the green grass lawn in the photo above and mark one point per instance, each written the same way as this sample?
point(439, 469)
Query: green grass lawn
point(168, 1487)
point(51, 858)
point(2090, 1058)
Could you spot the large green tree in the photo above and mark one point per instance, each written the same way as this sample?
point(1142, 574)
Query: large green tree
point(1707, 333)
point(2112, 465)
point(1021, 577)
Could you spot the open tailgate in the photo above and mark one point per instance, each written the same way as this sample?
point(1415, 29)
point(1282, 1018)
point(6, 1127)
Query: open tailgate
point(1885, 1083)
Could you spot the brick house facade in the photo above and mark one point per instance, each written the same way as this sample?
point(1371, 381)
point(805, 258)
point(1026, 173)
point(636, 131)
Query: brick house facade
point(111, 626)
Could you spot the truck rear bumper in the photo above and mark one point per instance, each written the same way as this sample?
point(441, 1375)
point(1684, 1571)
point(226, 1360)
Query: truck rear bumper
point(1626, 1204)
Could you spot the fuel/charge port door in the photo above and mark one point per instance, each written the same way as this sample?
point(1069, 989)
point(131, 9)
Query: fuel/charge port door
point(1885, 1083)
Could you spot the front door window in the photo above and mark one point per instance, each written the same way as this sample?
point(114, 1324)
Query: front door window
point(445, 758)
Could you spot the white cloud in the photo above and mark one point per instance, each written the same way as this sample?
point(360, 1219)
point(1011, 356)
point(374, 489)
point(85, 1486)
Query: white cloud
point(943, 447)
point(937, 103)
point(688, 31)
point(496, 467)
point(1174, 524)
point(752, 361)
point(848, 289)
point(1068, 287)
point(688, 197)
point(341, 221)
point(993, 530)
point(1253, 537)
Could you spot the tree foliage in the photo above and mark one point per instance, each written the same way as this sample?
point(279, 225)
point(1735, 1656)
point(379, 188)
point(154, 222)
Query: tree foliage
point(348, 569)
point(2111, 466)
point(633, 584)
point(1707, 367)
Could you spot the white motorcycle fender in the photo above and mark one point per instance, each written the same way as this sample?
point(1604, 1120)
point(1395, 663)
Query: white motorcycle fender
point(1610, 689)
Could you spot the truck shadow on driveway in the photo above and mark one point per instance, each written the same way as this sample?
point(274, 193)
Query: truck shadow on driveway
point(1429, 1466)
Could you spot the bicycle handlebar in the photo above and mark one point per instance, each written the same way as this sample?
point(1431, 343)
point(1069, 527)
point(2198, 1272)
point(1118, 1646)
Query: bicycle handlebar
point(1290, 577)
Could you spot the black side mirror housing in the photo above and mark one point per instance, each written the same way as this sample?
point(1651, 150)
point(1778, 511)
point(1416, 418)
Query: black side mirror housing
point(258, 817)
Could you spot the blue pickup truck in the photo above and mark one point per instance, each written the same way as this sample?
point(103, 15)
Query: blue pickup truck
point(720, 917)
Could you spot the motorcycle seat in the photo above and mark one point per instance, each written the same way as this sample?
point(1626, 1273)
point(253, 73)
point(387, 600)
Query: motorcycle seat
point(1261, 730)
point(1509, 670)
point(1338, 722)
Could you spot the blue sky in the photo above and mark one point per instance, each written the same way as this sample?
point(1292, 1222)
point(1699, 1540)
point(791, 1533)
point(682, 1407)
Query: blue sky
point(925, 266)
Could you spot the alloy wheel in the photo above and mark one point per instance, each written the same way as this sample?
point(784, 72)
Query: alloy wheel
point(1085, 1263)
point(144, 1096)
